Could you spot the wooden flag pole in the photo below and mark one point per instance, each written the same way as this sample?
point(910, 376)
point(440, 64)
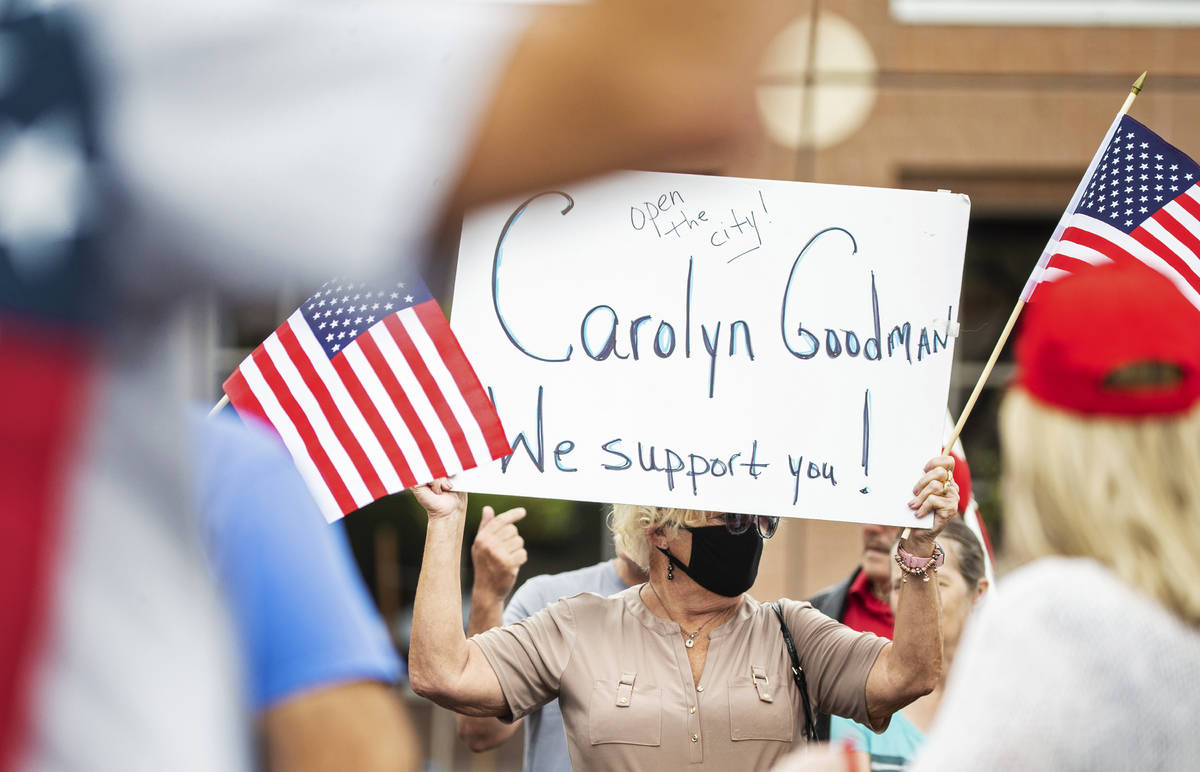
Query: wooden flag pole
point(1134, 90)
point(1016, 312)
point(217, 407)
point(987, 371)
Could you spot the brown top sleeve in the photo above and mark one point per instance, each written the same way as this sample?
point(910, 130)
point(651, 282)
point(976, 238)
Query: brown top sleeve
point(835, 658)
point(529, 656)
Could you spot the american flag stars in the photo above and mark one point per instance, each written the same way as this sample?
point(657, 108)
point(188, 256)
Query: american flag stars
point(346, 307)
point(1137, 164)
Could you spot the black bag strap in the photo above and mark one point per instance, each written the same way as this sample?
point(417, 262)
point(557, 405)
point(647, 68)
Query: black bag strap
point(810, 727)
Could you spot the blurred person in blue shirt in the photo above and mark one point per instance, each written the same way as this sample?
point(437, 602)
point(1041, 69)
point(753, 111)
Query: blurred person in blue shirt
point(319, 666)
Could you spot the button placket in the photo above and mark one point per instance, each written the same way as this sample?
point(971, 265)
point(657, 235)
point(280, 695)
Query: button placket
point(692, 692)
point(693, 722)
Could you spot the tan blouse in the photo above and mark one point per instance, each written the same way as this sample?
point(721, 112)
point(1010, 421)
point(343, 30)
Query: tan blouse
point(628, 700)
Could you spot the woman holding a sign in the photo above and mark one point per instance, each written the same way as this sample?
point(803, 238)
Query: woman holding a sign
point(684, 669)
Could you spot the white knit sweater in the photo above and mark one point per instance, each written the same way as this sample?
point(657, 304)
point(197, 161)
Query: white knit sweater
point(1070, 669)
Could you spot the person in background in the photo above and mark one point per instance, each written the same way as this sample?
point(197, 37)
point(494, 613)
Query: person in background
point(961, 583)
point(496, 555)
point(1089, 658)
point(318, 663)
point(861, 601)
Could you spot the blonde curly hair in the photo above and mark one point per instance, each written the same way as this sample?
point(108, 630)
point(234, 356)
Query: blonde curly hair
point(631, 526)
point(1124, 492)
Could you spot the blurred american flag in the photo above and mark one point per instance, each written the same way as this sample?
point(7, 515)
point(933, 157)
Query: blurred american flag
point(371, 392)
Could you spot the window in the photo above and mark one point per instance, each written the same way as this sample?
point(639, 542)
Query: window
point(1124, 13)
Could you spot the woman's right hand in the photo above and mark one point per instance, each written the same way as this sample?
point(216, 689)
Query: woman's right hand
point(440, 500)
point(442, 666)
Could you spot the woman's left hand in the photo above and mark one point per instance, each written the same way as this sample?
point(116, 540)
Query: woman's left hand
point(935, 493)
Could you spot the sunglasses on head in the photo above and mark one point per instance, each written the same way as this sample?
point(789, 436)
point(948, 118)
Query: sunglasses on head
point(739, 524)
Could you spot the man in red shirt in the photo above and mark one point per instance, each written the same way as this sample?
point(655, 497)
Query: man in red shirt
point(866, 604)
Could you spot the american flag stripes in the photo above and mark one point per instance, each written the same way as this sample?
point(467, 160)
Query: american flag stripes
point(371, 393)
point(1141, 204)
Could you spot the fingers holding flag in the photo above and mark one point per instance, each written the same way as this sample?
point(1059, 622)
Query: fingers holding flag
point(439, 499)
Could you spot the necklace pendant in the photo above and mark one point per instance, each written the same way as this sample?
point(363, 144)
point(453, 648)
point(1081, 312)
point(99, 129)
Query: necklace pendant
point(689, 643)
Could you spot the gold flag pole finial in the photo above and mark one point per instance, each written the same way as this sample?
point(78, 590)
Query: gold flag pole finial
point(1137, 84)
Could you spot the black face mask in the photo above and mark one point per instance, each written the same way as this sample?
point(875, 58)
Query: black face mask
point(722, 562)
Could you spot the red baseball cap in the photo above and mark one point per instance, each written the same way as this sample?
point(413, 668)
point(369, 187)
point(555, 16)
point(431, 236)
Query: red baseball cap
point(1112, 339)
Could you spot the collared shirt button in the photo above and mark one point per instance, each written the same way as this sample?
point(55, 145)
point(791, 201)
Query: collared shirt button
point(700, 687)
point(695, 738)
point(692, 709)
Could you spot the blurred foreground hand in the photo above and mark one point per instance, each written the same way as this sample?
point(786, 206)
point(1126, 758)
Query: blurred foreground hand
point(821, 758)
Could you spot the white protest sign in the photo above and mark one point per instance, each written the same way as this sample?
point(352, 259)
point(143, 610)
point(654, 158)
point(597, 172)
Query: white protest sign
point(737, 345)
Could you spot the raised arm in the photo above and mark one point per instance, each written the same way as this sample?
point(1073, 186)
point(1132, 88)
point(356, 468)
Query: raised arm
point(443, 666)
point(910, 666)
point(497, 555)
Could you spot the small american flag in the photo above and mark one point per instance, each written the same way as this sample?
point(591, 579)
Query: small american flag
point(371, 393)
point(1140, 204)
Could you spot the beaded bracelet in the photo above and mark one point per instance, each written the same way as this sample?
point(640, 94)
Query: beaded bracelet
point(915, 566)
